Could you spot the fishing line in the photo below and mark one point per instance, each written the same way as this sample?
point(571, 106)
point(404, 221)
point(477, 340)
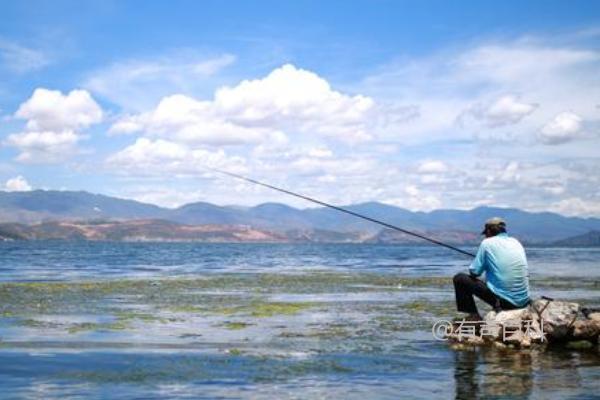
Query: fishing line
point(341, 209)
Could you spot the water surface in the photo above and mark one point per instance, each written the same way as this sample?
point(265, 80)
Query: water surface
point(139, 320)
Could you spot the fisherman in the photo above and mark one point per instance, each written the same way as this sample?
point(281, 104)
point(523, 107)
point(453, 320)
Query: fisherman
point(503, 260)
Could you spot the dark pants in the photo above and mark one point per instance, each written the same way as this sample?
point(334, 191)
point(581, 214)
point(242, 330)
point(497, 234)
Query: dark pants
point(465, 286)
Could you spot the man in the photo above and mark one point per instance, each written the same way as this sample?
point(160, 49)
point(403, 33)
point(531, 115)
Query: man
point(503, 260)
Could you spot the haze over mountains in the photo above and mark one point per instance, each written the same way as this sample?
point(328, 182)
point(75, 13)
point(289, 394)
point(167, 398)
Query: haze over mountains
point(282, 221)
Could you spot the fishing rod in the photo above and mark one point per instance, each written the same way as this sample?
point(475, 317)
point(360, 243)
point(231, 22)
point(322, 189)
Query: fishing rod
point(341, 209)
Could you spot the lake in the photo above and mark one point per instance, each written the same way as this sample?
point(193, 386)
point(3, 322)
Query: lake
point(184, 320)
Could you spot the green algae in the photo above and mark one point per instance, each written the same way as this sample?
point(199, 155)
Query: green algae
point(331, 332)
point(236, 326)
point(565, 283)
point(188, 309)
point(92, 326)
point(45, 294)
point(129, 315)
point(35, 323)
point(386, 323)
point(580, 345)
point(132, 304)
point(257, 282)
point(261, 309)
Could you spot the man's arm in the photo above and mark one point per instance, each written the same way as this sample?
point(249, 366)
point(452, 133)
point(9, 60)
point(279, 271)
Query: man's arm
point(478, 265)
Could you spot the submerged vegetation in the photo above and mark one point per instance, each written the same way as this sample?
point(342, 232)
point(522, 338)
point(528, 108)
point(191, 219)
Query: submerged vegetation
point(132, 304)
point(280, 306)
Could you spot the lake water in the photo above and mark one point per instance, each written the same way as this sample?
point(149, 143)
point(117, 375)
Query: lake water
point(168, 320)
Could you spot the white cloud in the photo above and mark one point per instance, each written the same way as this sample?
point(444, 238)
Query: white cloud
point(292, 97)
point(442, 86)
point(524, 59)
point(576, 206)
point(187, 120)
point(288, 100)
point(432, 167)
point(51, 110)
point(415, 200)
point(160, 157)
point(320, 152)
point(505, 110)
point(17, 184)
point(44, 147)
point(564, 127)
point(510, 172)
point(21, 59)
point(412, 190)
point(312, 166)
point(53, 123)
point(138, 84)
point(147, 152)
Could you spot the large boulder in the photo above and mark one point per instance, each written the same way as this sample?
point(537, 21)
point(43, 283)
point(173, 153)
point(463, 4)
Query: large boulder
point(543, 321)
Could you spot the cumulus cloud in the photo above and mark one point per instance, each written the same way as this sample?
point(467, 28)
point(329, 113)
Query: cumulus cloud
point(256, 111)
point(53, 124)
point(160, 157)
point(17, 184)
point(503, 111)
point(564, 127)
point(292, 97)
point(187, 120)
point(51, 110)
point(43, 147)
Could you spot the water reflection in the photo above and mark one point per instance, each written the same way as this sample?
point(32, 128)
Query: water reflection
point(483, 373)
point(507, 373)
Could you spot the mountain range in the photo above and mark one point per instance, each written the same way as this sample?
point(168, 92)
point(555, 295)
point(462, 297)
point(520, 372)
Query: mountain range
point(41, 206)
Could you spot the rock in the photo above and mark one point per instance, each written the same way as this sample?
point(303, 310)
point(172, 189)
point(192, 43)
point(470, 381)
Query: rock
point(474, 340)
point(594, 316)
point(514, 337)
point(586, 330)
point(512, 315)
point(542, 321)
point(558, 317)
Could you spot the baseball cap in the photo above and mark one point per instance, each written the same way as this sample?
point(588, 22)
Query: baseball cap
point(496, 221)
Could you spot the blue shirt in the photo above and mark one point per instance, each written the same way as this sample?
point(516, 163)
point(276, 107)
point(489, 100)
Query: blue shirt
point(503, 260)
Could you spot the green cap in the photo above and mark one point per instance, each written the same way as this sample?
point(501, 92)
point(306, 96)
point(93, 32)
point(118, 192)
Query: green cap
point(496, 221)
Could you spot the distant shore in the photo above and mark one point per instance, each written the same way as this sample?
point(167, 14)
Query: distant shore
point(161, 231)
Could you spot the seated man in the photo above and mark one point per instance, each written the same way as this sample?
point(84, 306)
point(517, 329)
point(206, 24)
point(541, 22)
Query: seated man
point(503, 260)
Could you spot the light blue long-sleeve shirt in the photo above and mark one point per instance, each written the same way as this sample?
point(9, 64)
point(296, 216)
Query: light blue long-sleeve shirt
point(503, 260)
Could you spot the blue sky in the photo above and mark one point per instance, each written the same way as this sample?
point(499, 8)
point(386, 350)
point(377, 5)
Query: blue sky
point(423, 104)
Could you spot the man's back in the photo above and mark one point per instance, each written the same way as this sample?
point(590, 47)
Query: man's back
point(503, 260)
